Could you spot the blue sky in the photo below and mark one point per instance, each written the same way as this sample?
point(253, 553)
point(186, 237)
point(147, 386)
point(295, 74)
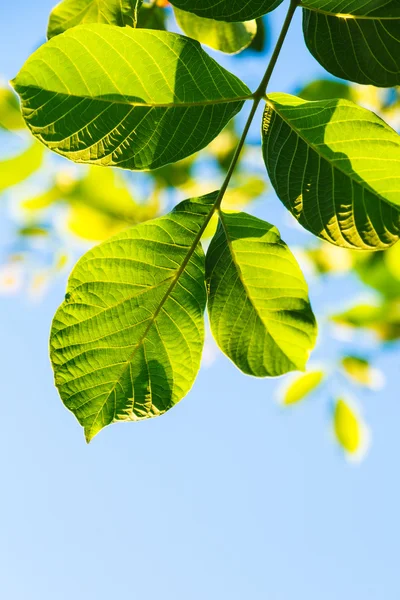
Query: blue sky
point(226, 496)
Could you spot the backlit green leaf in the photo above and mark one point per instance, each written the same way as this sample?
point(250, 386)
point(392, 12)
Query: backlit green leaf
point(357, 40)
point(259, 309)
point(131, 98)
point(18, 168)
point(228, 10)
point(335, 166)
point(71, 13)
point(126, 343)
point(226, 37)
point(302, 386)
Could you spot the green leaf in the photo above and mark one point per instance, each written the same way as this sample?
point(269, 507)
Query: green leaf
point(102, 205)
point(334, 165)
point(258, 306)
point(10, 113)
point(132, 98)
point(33, 231)
point(380, 271)
point(360, 371)
point(226, 10)
point(383, 320)
point(326, 89)
point(326, 258)
point(18, 168)
point(261, 40)
point(302, 386)
point(357, 40)
point(348, 428)
point(70, 13)
point(226, 37)
point(152, 17)
point(126, 343)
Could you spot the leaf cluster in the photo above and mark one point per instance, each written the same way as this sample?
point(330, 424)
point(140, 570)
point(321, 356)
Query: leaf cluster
point(113, 88)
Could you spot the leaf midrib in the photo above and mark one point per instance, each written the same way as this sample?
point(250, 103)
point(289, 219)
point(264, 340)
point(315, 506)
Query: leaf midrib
point(141, 104)
point(163, 300)
point(271, 104)
point(240, 274)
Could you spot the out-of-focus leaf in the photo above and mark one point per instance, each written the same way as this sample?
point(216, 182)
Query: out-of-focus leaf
point(176, 174)
point(18, 168)
point(152, 17)
point(102, 205)
point(379, 271)
point(92, 225)
point(33, 231)
point(384, 320)
point(260, 42)
point(360, 370)
point(330, 259)
point(43, 200)
point(301, 386)
point(61, 261)
point(10, 112)
point(347, 427)
point(326, 89)
point(245, 189)
point(106, 191)
point(70, 13)
point(224, 145)
point(230, 38)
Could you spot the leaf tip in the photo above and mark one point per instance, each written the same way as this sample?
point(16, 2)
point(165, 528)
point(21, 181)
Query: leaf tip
point(90, 433)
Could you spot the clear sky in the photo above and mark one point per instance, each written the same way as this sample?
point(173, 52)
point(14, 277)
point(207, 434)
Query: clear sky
point(225, 497)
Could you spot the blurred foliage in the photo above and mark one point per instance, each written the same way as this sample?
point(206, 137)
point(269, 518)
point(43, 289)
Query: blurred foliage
point(360, 370)
point(301, 386)
point(16, 169)
point(10, 114)
point(349, 430)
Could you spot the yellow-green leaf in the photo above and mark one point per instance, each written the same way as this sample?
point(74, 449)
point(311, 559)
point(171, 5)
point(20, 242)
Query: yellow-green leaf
point(348, 427)
point(301, 386)
point(126, 343)
point(10, 113)
point(230, 38)
point(18, 168)
point(258, 306)
point(70, 13)
point(132, 98)
point(335, 166)
point(360, 371)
